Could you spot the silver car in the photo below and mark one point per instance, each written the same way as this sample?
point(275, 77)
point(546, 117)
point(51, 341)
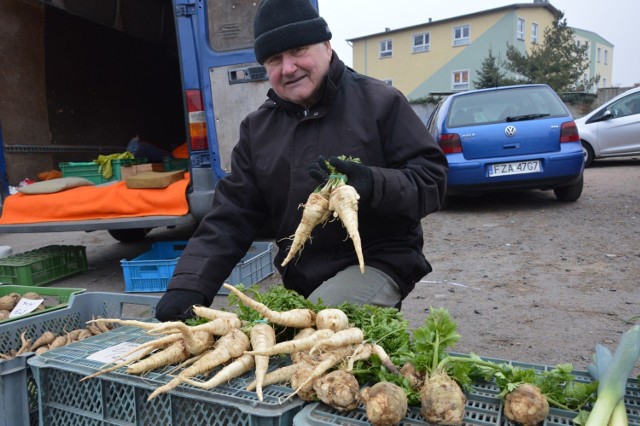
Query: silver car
point(612, 129)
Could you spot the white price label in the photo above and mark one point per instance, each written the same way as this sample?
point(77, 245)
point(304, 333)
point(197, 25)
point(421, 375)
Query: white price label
point(115, 353)
point(25, 306)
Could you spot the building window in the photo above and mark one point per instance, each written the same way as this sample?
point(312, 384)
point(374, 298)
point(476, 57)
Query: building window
point(421, 42)
point(534, 33)
point(606, 57)
point(604, 82)
point(599, 55)
point(386, 49)
point(460, 80)
point(520, 29)
point(461, 35)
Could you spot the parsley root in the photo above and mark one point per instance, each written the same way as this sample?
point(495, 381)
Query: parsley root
point(316, 211)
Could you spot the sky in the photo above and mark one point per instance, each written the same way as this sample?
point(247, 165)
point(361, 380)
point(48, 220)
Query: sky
point(350, 19)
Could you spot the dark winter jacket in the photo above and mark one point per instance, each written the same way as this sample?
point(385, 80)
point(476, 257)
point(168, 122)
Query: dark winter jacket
point(357, 116)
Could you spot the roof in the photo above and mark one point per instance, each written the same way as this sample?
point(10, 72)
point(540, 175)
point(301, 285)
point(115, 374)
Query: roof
point(534, 4)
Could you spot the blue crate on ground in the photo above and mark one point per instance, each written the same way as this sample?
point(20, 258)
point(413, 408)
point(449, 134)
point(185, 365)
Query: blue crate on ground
point(118, 398)
point(151, 271)
point(18, 389)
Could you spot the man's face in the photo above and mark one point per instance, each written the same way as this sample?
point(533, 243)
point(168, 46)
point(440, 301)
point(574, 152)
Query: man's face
point(297, 74)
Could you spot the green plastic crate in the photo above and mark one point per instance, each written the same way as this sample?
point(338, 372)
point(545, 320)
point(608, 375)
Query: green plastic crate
point(18, 387)
point(43, 266)
point(171, 164)
point(91, 170)
point(54, 298)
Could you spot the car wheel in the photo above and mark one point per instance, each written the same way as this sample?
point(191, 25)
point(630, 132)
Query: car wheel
point(588, 153)
point(129, 235)
point(569, 192)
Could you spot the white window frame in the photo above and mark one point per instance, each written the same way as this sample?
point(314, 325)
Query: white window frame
point(422, 47)
point(599, 55)
point(534, 32)
point(385, 48)
point(461, 35)
point(606, 56)
point(458, 80)
point(520, 29)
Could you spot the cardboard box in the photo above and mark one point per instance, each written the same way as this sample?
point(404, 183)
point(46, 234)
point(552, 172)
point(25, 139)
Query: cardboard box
point(134, 169)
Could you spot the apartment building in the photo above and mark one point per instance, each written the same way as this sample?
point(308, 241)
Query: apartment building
point(445, 56)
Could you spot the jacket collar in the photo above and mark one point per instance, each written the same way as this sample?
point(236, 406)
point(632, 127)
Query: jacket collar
point(332, 82)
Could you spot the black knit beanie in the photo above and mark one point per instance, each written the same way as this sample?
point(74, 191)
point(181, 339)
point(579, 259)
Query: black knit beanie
point(281, 25)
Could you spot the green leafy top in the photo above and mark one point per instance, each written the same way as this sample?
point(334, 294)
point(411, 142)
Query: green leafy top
point(437, 334)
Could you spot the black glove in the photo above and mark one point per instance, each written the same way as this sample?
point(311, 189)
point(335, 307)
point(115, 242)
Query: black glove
point(319, 171)
point(358, 175)
point(175, 305)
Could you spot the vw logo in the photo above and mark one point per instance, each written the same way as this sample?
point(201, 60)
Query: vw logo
point(510, 131)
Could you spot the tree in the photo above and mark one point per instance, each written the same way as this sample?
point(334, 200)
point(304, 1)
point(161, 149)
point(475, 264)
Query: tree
point(558, 62)
point(490, 74)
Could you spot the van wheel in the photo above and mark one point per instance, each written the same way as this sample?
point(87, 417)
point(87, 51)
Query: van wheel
point(570, 192)
point(129, 235)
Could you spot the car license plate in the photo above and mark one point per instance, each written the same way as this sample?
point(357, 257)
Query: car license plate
point(515, 168)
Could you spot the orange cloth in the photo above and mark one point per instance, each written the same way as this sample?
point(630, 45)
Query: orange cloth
point(181, 151)
point(96, 202)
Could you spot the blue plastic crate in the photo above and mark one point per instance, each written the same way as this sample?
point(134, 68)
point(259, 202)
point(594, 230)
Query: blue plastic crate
point(117, 398)
point(18, 389)
point(151, 271)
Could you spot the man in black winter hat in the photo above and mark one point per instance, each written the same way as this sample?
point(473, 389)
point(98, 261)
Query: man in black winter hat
point(317, 108)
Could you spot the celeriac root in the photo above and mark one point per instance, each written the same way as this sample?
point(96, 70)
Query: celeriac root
point(386, 404)
point(339, 389)
point(316, 211)
point(442, 400)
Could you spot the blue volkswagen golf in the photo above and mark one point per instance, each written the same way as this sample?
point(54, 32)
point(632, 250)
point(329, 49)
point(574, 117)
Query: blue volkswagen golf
point(509, 138)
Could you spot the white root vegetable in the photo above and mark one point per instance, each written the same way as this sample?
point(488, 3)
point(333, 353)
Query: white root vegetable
point(295, 345)
point(217, 327)
point(262, 337)
point(174, 354)
point(297, 318)
point(343, 201)
point(232, 370)
point(281, 375)
point(333, 319)
point(230, 346)
point(316, 211)
point(350, 336)
point(212, 314)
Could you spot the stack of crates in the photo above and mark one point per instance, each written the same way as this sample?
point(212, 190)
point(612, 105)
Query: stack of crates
point(43, 266)
point(19, 389)
point(91, 170)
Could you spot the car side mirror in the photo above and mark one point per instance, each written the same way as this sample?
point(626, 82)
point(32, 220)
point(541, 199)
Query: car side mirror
point(606, 115)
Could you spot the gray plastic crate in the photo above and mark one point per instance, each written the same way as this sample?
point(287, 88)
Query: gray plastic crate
point(483, 408)
point(18, 389)
point(118, 398)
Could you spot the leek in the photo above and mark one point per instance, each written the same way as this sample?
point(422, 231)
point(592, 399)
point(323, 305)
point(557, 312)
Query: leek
point(612, 373)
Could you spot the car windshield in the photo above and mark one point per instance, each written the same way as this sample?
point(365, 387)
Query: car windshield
point(506, 105)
